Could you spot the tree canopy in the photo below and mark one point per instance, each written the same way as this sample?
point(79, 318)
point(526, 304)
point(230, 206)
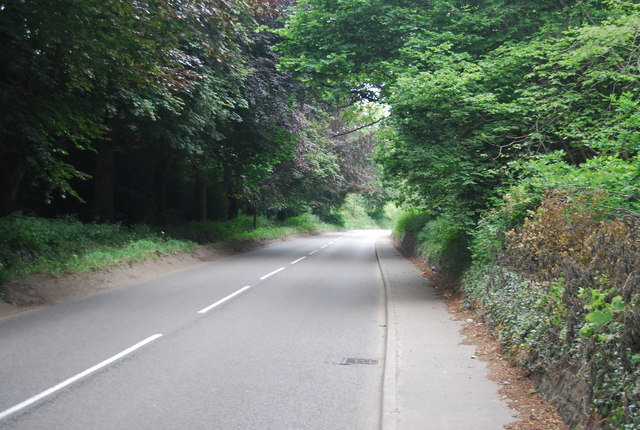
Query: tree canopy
point(475, 86)
point(152, 111)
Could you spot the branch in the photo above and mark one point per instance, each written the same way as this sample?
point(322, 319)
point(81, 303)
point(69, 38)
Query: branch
point(356, 129)
point(625, 211)
point(591, 21)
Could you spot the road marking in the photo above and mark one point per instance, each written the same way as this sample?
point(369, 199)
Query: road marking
point(77, 377)
point(299, 259)
point(221, 301)
point(323, 246)
point(313, 252)
point(272, 273)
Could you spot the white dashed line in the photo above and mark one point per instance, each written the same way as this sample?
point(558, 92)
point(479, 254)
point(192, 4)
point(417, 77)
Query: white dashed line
point(77, 377)
point(272, 273)
point(313, 252)
point(221, 301)
point(299, 259)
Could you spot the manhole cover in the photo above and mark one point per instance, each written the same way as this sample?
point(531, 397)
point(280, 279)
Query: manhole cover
point(350, 361)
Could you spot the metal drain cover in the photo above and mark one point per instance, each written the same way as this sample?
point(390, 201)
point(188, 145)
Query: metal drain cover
point(350, 361)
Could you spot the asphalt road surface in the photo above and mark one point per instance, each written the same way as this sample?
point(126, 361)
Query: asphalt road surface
point(287, 337)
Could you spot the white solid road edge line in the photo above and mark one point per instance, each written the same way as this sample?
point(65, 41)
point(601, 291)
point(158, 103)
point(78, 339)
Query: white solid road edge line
point(272, 273)
point(221, 301)
point(299, 259)
point(75, 378)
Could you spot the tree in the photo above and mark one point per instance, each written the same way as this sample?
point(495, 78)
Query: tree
point(471, 86)
point(329, 163)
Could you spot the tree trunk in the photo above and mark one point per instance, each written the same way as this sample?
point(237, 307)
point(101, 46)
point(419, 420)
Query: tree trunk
point(255, 217)
point(202, 197)
point(12, 173)
point(104, 201)
point(234, 203)
point(162, 199)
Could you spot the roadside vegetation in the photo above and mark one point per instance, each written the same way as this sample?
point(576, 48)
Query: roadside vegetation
point(31, 245)
point(37, 245)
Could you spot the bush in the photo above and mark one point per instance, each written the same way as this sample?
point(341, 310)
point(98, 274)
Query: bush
point(214, 231)
point(411, 221)
point(567, 290)
point(333, 218)
point(442, 241)
point(619, 179)
point(445, 241)
point(304, 221)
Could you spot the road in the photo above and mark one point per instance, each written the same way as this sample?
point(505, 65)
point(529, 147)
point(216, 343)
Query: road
point(287, 337)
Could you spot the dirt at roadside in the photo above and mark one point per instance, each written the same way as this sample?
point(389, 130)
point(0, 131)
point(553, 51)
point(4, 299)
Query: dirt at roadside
point(35, 291)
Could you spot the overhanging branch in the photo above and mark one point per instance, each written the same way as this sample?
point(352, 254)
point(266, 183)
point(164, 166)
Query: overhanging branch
point(356, 129)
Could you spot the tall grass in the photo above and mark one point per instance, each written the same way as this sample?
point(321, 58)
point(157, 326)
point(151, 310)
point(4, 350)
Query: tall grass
point(241, 228)
point(31, 245)
point(36, 245)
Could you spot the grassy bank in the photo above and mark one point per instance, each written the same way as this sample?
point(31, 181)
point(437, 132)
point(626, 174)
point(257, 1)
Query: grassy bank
point(36, 245)
point(241, 228)
point(31, 245)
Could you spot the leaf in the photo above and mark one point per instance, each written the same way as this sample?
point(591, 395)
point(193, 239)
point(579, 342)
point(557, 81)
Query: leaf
point(600, 318)
point(617, 304)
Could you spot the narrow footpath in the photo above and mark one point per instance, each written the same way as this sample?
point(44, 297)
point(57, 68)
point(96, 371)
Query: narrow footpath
point(432, 381)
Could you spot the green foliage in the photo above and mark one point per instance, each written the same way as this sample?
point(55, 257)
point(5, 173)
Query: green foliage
point(516, 124)
point(411, 222)
point(572, 260)
point(80, 72)
point(241, 228)
point(331, 161)
point(526, 319)
point(441, 240)
point(445, 240)
point(302, 221)
point(617, 177)
point(305, 223)
point(333, 218)
point(601, 314)
point(144, 109)
point(441, 139)
point(213, 231)
point(471, 90)
point(33, 245)
point(355, 215)
point(369, 43)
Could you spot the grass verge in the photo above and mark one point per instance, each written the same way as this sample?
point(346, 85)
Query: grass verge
point(36, 245)
point(30, 245)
